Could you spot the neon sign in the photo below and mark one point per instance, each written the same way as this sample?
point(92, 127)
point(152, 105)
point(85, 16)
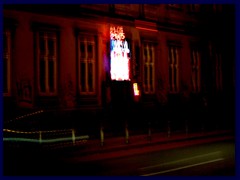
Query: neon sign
point(117, 33)
point(119, 55)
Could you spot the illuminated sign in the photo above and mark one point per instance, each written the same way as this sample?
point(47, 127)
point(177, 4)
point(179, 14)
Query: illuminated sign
point(120, 64)
point(135, 89)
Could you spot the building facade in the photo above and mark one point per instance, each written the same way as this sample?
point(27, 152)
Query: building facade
point(181, 59)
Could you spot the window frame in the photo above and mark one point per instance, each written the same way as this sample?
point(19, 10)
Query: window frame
point(177, 7)
point(195, 69)
point(93, 41)
point(217, 8)
point(174, 80)
point(149, 87)
point(47, 58)
point(7, 55)
point(194, 8)
point(217, 68)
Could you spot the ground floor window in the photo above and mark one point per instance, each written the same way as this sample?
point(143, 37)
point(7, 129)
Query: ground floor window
point(7, 49)
point(86, 64)
point(47, 62)
point(195, 65)
point(173, 59)
point(148, 67)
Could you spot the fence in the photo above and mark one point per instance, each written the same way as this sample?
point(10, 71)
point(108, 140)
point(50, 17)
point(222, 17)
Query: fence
point(46, 139)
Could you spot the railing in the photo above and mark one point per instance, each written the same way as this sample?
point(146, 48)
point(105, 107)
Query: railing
point(53, 138)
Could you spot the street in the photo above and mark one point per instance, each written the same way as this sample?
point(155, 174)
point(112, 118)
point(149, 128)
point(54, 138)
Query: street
point(207, 159)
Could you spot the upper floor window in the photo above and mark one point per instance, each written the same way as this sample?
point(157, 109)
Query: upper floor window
point(7, 60)
point(141, 11)
point(148, 67)
point(217, 8)
point(87, 64)
point(194, 8)
point(47, 59)
point(174, 6)
point(124, 9)
point(173, 59)
point(195, 64)
point(216, 56)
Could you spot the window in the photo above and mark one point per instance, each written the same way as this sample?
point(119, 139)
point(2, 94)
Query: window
point(148, 67)
point(151, 11)
point(217, 62)
point(194, 7)
point(47, 62)
point(195, 64)
point(173, 58)
point(124, 9)
point(174, 6)
point(7, 48)
point(141, 11)
point(218, 70)
point(217, 8)
point(86, 64)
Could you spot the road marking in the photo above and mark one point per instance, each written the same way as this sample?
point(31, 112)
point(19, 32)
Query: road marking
point(184, 167)
point(184, 160)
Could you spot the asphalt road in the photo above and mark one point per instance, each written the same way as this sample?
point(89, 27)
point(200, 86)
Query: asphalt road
point(209, 159)
point(215, 159)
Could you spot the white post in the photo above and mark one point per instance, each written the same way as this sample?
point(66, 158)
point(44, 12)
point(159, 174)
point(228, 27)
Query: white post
point(127, 134)
point(73, 136)
point(186, 127)
point(169, 129)
point(101, 135)
point(149, 131)
point(40, 137)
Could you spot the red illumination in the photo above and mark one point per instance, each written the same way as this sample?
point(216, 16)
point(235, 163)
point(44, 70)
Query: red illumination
point(147, 29)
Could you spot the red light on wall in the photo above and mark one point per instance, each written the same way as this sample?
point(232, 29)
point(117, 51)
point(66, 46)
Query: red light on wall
point(147, 29)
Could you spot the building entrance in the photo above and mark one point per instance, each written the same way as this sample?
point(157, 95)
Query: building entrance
point(121, 93)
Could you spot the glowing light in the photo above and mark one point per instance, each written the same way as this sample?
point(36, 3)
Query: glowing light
point(147, 29)
point(117, 33)
point(40, 139)
point(135, 89)
point(45, 140)
point(119, 55)
point(36, 132)
point(21, 117)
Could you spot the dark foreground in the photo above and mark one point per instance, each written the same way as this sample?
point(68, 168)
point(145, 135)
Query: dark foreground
point(187, 158)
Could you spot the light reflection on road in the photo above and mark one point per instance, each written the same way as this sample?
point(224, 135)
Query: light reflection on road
point(185, 163)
